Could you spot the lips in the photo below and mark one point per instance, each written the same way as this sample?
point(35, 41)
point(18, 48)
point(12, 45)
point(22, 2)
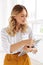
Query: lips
point(23, 21)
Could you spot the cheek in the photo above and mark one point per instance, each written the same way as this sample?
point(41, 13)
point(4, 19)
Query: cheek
point(19, 18)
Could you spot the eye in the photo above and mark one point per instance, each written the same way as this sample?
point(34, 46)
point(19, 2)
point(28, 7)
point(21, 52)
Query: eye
point(32, 46)
point(22, 16)
point(28, 46)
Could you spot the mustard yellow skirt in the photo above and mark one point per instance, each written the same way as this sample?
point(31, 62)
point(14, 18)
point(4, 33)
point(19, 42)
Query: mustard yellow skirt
point(14, 59)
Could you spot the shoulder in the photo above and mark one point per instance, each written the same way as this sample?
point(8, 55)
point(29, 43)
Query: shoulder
point(3, 31)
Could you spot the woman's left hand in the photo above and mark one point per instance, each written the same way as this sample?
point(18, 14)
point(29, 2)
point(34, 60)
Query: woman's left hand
point(27, 49)
point(34, 50)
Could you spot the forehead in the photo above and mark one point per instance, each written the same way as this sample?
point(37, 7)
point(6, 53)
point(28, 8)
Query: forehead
point(23, 12)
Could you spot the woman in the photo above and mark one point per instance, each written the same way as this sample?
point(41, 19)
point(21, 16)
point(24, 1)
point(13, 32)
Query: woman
point(13, 41)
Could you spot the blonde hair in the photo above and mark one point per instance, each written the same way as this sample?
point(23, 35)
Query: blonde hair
point(11, 30)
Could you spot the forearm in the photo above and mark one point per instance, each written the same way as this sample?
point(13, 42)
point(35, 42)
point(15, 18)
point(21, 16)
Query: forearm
point(18, 45)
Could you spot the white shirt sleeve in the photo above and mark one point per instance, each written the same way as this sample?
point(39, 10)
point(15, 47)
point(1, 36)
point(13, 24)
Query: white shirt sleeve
point(6, 44)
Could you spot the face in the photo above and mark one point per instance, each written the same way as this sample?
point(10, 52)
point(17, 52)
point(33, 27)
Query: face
point(21, 17)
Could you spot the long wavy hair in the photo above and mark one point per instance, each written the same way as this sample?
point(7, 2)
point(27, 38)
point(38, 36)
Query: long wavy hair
point(11, 30)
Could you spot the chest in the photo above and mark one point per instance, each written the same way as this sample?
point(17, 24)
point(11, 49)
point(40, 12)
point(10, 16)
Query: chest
point(18, 37)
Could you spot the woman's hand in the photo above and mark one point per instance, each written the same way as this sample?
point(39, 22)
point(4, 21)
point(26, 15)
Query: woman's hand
point(34, 50)
point(27, 49)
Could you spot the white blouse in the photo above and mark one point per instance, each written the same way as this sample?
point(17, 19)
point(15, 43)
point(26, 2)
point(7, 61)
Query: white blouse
point(7, 40)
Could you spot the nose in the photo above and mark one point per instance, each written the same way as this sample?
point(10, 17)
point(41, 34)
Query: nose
point(25, 17)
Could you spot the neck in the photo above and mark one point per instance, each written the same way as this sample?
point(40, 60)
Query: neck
point(18, 27)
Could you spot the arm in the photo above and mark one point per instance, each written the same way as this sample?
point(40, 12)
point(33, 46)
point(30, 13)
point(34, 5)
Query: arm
point(5, 42)
point(8, 47)
point(19, 45)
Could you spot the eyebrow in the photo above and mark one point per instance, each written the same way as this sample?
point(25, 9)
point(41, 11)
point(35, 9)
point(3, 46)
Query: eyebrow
point(24, 15)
